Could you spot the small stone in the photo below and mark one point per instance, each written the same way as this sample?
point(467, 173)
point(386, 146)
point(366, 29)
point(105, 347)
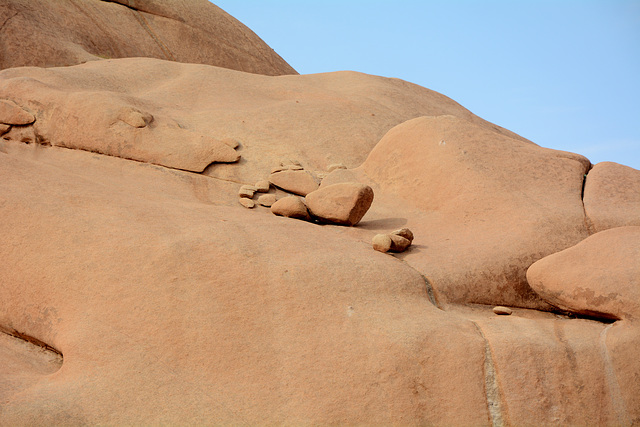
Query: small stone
point(344, 203)
point(267, 200)
point(247, 203)
point(335, 166)
point(503, 311)
point(404, 232)
point(262, 186)
point(299, 182)
point(247, 191)
point(4, 128)
point(399, 243)
point(12, 114)
point(291, 207)
point(381, 242)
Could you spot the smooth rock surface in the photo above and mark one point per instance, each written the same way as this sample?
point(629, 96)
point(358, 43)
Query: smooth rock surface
point(612, 196)
point(462, 185)
point(47, 33)
point(167, 303)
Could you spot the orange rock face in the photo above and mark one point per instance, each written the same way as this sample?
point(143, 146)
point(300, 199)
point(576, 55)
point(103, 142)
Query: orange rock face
point(137, 289)
point(48, 33)
point(468, 184)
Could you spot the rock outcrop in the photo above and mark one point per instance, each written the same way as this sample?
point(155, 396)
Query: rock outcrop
point(468, 184)
point(135, 288)
point(612, 196)
point(47, 33)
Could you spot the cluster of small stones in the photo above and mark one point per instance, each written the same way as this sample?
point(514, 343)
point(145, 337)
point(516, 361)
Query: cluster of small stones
point(247, 192)
point(343, 204)
point(396, 241)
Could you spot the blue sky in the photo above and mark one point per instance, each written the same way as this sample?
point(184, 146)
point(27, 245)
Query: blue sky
point(564, 74)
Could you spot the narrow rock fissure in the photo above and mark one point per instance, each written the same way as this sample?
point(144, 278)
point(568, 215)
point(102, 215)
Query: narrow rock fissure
point(492, 387)
point(7, 20)
point(30, 340)
point(145, 26)
point(430, 292)
point(427, 284)
point(587, 222)
point(595, 317)
point(133, 8)
point(617, 401)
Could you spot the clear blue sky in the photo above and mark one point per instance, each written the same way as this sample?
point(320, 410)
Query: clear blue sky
point(564, 74)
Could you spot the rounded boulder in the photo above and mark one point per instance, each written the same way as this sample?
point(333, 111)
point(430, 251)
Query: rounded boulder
point(344, 203)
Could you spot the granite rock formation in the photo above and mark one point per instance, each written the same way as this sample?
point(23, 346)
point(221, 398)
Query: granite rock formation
point(136, 289)
point(46, 33)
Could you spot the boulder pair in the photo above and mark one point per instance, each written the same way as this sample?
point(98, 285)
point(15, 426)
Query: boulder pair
point(396, 241)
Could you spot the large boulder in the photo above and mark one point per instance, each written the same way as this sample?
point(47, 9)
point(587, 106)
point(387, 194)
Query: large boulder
point(483, 205)
point(612, 196)
point(49, 33)
point(344, 203)
point(599, 276)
